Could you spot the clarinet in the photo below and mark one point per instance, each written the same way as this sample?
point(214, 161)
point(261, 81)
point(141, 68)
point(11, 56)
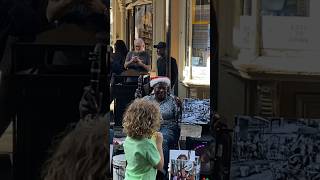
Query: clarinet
point(94, 72)
point(138, 93)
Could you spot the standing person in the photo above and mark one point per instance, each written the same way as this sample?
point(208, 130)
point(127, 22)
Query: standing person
point(138, 60)
point(162, 63)
point(118, 57)
point(117, 63)
point(143, 145)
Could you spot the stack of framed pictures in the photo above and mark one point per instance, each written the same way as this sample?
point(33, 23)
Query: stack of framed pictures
point(196, 111)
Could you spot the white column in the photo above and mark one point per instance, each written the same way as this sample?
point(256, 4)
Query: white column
point(189, 45)
point(159, 10)
point(122, 8)
point(182, 37)
point(114, 22)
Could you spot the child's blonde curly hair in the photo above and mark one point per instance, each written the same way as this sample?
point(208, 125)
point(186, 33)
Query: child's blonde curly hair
point(141, 119)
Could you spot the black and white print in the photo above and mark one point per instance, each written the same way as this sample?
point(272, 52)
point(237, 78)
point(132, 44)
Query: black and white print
point(275, 149)
point(196, 111)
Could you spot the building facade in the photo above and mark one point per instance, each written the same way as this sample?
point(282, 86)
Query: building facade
point(269, 53)
point(189, 32)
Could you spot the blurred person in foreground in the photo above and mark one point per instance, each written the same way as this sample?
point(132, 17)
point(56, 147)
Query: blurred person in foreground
point(89, 13)
point(81, 154)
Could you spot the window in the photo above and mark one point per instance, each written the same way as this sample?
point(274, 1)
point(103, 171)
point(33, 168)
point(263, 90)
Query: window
point(286, 20)
point(285, 7)
point(278, 7)
point(197, 64)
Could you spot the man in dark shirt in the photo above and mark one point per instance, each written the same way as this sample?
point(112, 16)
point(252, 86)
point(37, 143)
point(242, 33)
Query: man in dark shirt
point(162, 64)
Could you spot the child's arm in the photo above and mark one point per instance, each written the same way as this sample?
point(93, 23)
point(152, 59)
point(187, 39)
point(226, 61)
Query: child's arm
point(159, 140)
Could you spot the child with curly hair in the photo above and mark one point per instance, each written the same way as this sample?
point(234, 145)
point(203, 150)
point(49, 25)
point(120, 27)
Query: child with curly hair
point(143, 144)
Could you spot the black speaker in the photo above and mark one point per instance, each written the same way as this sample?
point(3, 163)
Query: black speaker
point(123, 95)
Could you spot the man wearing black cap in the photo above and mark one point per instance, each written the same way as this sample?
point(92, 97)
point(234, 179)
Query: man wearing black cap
point(162, 63)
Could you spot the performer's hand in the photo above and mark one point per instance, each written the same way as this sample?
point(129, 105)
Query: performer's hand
point(139, 62)
point(159, 138)
point(134, 59)
point(178, 101)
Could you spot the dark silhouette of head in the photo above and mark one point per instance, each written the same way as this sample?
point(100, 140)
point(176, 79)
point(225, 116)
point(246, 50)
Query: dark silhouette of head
point(161, 48)
point(120, 47)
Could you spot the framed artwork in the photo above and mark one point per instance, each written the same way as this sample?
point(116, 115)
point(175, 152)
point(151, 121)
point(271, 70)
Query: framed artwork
point(183, 165)
point(196, 111)
point(275, 148)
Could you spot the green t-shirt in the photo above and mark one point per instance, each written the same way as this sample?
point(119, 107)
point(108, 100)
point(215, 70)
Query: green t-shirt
point(142, 156)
